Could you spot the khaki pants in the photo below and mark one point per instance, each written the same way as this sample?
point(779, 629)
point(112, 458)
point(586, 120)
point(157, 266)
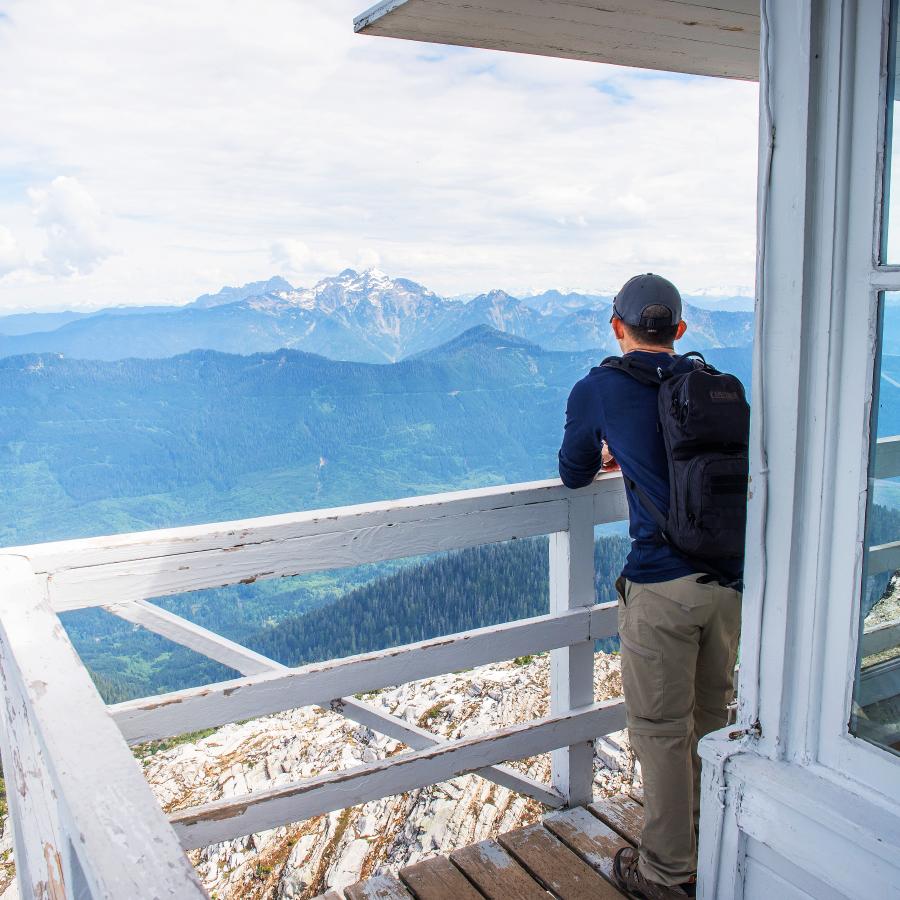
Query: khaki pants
point(679, 645)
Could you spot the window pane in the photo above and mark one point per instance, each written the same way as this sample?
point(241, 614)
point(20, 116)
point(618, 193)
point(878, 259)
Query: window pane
point(890, 239)
point(876, 707)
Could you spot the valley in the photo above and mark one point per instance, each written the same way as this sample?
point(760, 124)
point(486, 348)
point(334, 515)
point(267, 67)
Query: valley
point(108, 431)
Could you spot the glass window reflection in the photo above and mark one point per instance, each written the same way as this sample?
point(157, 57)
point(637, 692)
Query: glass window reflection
point(890, 237)
point(876, 703)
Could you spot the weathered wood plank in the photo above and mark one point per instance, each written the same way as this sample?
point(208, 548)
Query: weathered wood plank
point(420, 739)
point(555, 866)
point(319, 683)
point(623, 814)
point(608, 33)
point(610, 502)
point(594, 841)
point(572, 667)
point(34, 815)
point(604, 620)
point(379, 887)
point(695, 17)
point(49, 558)
point(631, 21)
point(722, 61)
point(438, 879)
point(152, 564)
point(495, 873)
point(116, 838)
point(227, 819)
point(156, 577)
point(233, 535)
point(195, 637)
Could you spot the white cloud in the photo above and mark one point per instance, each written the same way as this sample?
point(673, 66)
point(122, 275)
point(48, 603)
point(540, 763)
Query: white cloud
point(367, 258)
point(11, 256)
point(74, 227)
point(226, 139)
point(295, 257)
point(291, 255)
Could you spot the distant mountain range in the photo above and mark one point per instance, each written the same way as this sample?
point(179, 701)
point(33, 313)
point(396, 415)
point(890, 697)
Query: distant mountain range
point(358, 316)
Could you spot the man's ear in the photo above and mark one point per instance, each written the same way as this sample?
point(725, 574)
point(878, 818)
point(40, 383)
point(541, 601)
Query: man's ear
point(682, 328)
point(617, 328)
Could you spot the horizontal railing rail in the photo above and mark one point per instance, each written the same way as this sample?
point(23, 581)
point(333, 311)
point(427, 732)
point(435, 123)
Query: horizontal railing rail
point(144, 565)
point(881, 637)
point(122, 573)
point(319, 683)
point(225, 819)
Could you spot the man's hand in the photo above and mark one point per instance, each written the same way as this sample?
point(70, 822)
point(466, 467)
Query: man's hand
point(607, 460)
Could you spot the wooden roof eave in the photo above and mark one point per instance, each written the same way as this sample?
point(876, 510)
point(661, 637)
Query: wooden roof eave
point(699, 37)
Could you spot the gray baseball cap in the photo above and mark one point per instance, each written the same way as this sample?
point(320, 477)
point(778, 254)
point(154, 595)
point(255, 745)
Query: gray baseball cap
point(640, 293)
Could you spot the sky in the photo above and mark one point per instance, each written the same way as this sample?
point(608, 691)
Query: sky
point(150, 153)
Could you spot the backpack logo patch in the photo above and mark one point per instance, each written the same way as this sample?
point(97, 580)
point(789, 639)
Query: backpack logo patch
point(723, 396)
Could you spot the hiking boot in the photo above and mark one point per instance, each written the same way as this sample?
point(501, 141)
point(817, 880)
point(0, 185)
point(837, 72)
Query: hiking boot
point(629, 878)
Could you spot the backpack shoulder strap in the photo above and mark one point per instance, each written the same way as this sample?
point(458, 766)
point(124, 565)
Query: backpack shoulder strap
point(645, 374)
point(654, 375)
point(696, 360)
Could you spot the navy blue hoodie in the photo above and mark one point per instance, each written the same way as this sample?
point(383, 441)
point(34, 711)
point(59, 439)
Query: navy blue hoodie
point(610, 405)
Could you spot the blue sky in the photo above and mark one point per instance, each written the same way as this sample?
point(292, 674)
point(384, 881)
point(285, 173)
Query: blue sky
point(153, 152)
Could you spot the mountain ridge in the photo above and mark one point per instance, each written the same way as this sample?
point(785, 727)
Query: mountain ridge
point(360, 316)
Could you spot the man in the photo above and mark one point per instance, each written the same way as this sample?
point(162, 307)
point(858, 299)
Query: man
point(678, 626)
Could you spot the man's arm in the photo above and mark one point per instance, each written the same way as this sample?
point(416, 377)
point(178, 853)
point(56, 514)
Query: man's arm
point(580, 456)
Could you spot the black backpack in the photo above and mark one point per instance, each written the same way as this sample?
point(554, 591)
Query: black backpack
point(704, 418)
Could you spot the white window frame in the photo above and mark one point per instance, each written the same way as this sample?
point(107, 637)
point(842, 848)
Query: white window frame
point(858, 279)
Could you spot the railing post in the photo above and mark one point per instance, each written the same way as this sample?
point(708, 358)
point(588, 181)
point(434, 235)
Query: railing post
point(86, 823)
point(33, 811)
point(572, 668)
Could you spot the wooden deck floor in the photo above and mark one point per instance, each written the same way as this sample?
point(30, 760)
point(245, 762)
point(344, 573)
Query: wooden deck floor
point(569, 855)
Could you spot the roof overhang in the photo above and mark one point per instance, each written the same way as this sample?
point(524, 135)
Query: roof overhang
point(715, 37)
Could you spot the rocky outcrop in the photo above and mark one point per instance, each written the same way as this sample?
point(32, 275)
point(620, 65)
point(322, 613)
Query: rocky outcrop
point(302, 860)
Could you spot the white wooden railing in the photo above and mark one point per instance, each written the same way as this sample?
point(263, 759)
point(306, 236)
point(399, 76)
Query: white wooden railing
point(86, 823)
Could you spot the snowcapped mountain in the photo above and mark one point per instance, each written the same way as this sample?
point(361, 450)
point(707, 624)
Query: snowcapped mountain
point(551, 303)
point(362, 316)
point(236, 294)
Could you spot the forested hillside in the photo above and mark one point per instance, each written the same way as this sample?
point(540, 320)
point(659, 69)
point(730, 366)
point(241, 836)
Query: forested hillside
point(455, 592)
point(100, 447)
